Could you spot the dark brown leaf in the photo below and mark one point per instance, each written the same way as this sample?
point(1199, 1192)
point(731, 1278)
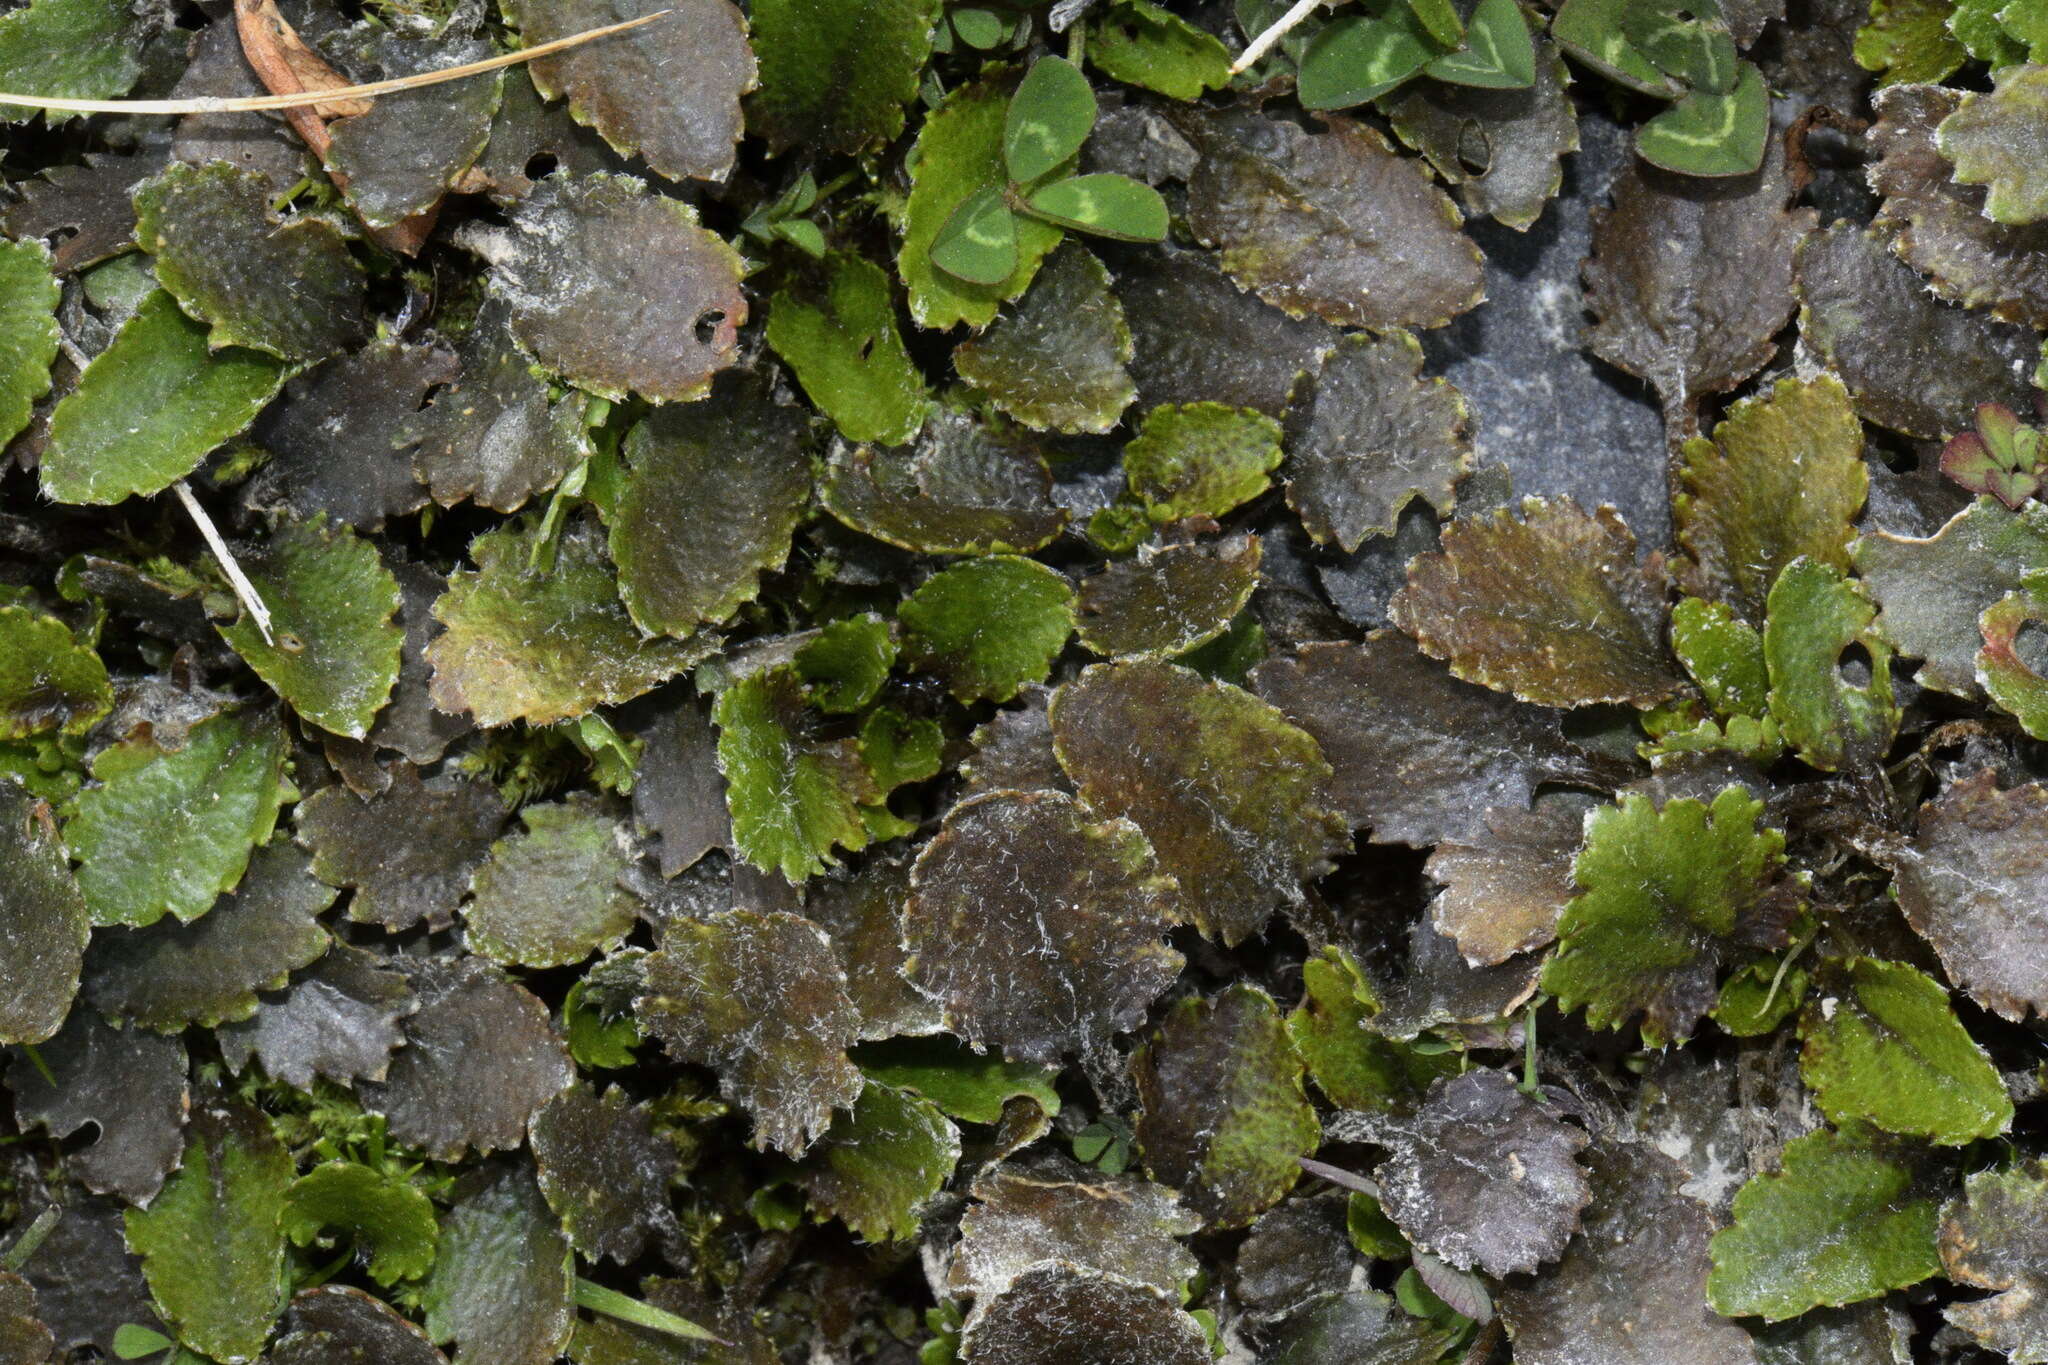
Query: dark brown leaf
point(1058, 1313)
point(1168, 600)
point(129, 1084)
point(1504, 150)
point(959, 488)
point(409, 852)
point(340, 1019)
point(605, 1171)
point(337, 1324)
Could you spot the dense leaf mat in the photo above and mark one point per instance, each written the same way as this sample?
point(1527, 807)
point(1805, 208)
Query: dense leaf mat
point(931, 681)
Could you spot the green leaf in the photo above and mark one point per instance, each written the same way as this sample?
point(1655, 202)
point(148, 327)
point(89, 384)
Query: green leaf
point(959, 154)
point(966, 1084)
point(1846, 1218)
point(1360, 57)
point(44, 923)
point(1354, 1067)
point(151, 406)
point(1724, 655)
point(386, 1215)
point(793, 796)
point(2013, 682)
point(212, 1242)
point(1883, 1044)
point(29, 334)
point(598, 1039)
point(336, 640)
point(167, 831)
point(48, 680)
point(1816, 615)
point(847, 663)
point(1143, 44)
point(132, 1342)
point(1200, 459)
point(291, 289)
point(1757, 998)
point(1107, 205)
point(501, 1284)
point(1499, 53)
point(1049, 118)
point(879, 1162)
point(1441, 19)
point(978, 244)
point(1909, 41)
point(847, 353)
point(1707, 134)
point(1782, 478)
point(741, 512)
point(1686, 41)
point(1058, 360)
point(946, 625)
point(1595, 32)
point(1975, 23)
point(75, 49)
point(1663, 892)
point(543, 644)
point(1221, 1109)
point(899, 749)
point(613, 1304)
point(2000, 139)
point(835, 77)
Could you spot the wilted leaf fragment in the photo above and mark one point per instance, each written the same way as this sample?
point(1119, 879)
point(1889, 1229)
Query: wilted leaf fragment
point(843, 344)
point(1484, 1176)
point(496, 434)
point(1782, 478)
point(1631, 1287)
point(1418, 756)
point(959, 154)
point(1996, 1237)
point(1503, 149)
point(762, 999)
point(1690, 281)
point(48, 680)
point(386, 1216)
point(166, 831)
point(1056, 361)
point(411, 147)
point(339, 1020)
point(1883, 1044)
point(1374, 436)
point(289, 289)
point(1664, 893)
point(835, 78)
point(1198, 337)
point(549, 895)
point(1168, 601)
point(1506, 885)
point(1552, 608)
point(1233, 798)
point(1999, 139)
point(958, 489)
point(1934, 591)
point(212, 1243)
point(669, 92)
point(28, 330)
point(148, 408)
point(341, 1325)
point(543, 645)
point(1333, 223)
point(1200, 459)
point(793, 797)
point(946, 625)
point(128, 1084)
point(24, 1340)
point(207, 972)
point(340, 437)
point(1845, 1219)
point(1973, 881)
point(577, 247)
point(1939, 227)
point(604, 1170)
point(1038, 929)
point(481, 1058)
point(880, 1162)
point(1024, 1214)
point(1221, 1110)
point(500, 1286)
point(407, 851)
point(1057, 1313)
point(43, 921)
point(1911, 362)
point(335, 644)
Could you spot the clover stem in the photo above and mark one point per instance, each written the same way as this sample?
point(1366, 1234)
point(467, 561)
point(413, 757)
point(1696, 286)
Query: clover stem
point(1279, 29)
point(252, 601)
point(1529, 1049)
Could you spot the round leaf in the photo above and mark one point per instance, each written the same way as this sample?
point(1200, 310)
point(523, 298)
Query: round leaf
point(1050, 117)
point(1107, 205)
point(979, 242)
